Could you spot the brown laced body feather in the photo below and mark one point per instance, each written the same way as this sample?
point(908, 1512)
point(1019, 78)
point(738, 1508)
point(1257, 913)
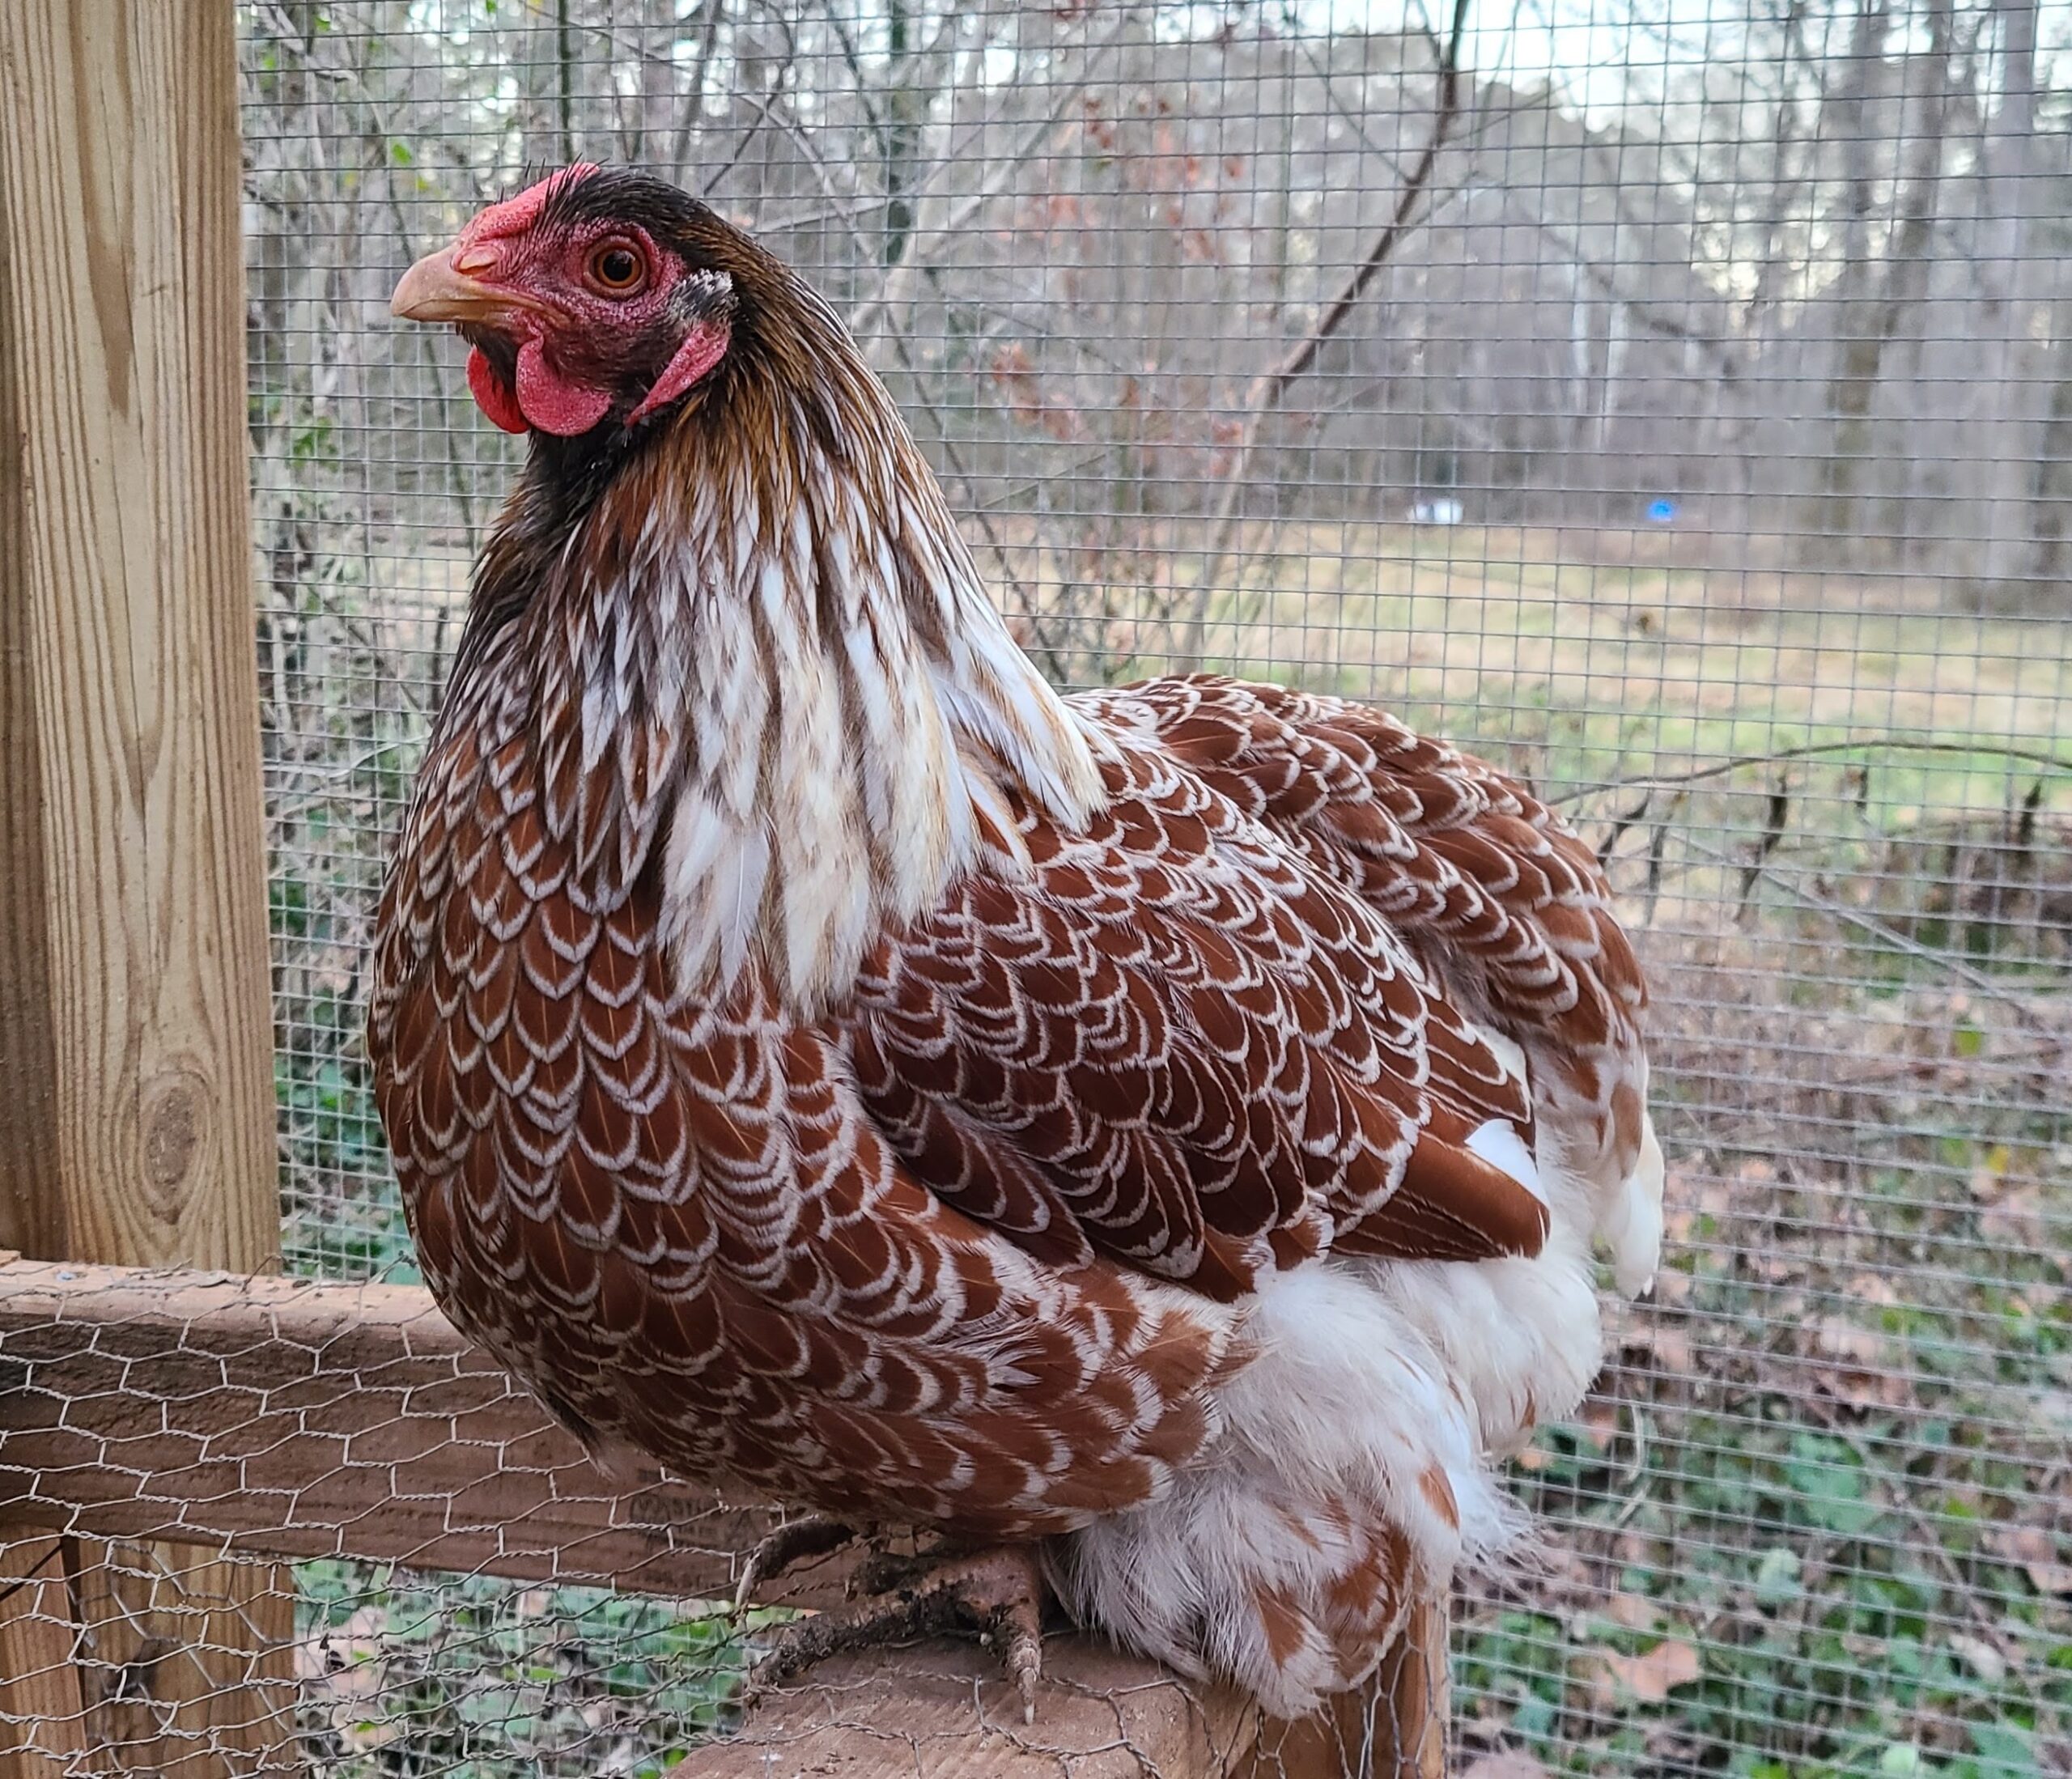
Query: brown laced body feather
point(894, 1259)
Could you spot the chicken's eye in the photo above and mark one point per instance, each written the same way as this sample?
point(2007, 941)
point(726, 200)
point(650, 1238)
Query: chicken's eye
point(616, 267)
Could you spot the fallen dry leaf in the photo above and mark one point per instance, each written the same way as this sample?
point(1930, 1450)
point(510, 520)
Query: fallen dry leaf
point(1636, 1612)
point(2016, 1221)
point(1861, 1374)
point(1509, 1763)
point(1669, 1347)
point(1840, 1338)
point(1648, 1676)
point(2033, 1549)
point(1860, 1390)
point(1686, 1197)
point(1637, 1548)
point(1981, 1657)
point(1853, 1361)
point(1599, 1424)
point(1672, 1288)
point(1872, 1288)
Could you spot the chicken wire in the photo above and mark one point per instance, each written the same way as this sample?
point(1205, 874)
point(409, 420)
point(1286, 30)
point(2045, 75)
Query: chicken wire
point(1669, 399)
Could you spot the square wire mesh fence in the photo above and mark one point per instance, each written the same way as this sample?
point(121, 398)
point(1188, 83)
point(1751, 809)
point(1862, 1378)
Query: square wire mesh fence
point(1669, 399)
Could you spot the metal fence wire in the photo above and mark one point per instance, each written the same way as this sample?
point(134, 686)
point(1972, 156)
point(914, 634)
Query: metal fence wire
point(1669, 399)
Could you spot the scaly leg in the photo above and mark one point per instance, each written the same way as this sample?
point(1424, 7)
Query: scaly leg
point(996, 1592)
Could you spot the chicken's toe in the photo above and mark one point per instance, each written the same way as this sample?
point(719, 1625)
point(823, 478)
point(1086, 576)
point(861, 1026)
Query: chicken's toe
point(996, 1594)
point(778, 1549)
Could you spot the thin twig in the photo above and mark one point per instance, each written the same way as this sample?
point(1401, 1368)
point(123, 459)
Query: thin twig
point(766, 113)
point(692, 118)
point(895, 332)
point(1814, 750)
point(1976, 980)
point(1269, 390)
point(865, 316)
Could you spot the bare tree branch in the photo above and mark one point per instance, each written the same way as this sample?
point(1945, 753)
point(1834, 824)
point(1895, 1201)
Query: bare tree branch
point(1271, 389)
point(1815, 750)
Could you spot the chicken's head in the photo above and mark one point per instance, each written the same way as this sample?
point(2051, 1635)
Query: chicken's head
point(595, 297)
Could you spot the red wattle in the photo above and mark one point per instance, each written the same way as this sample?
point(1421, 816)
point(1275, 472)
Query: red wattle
point(550, 402)
point(496, 397)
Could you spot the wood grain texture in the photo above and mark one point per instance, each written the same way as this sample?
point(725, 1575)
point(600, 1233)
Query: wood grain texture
point(133, 691)
point(941, 1711)
point(135, 1045)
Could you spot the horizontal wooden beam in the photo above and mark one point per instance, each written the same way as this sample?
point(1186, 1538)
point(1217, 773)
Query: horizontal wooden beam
point(280, 1418)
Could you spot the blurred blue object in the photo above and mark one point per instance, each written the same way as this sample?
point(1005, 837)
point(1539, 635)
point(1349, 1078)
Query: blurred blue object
point(1661, 512)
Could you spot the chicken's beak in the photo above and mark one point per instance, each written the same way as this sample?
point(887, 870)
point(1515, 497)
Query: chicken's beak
point(442, 286)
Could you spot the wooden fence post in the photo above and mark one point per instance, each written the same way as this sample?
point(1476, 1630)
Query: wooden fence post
point(135, 1089)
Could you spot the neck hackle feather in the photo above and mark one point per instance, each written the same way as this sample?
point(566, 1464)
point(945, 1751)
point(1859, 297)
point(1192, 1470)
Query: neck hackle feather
point(767, 615)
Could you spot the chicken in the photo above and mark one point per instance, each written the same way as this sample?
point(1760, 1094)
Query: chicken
point(1159, 1134)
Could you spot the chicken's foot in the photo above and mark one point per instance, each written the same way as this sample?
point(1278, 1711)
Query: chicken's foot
point(997, 1593)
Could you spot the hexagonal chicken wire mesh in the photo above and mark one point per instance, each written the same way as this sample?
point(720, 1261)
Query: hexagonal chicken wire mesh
point(1671, 399)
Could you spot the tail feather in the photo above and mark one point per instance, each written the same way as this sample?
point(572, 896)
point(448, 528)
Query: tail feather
point(1631, 1224)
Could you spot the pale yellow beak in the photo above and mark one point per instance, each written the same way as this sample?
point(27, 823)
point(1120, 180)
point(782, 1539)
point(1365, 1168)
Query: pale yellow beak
point(441, 286)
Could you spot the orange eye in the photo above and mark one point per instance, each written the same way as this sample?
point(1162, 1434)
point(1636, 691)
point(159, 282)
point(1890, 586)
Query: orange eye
point(618, 267)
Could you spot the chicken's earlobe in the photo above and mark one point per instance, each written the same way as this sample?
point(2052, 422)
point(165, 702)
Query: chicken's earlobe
point(703, 348)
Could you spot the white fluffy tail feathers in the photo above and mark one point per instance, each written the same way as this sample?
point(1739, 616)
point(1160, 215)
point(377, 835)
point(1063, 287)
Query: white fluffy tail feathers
point(1348, 1483)
point(1631, 1224)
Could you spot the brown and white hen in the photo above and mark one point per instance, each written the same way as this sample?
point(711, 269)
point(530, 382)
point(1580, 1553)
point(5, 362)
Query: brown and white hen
point(1165, 1127)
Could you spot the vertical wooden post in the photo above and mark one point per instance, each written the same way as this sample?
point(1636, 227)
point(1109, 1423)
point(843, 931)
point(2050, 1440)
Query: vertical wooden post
point(136, 1092)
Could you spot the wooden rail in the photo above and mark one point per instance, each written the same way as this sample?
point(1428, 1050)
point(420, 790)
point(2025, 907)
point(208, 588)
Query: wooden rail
point(281, 1419)
point(272, 1416)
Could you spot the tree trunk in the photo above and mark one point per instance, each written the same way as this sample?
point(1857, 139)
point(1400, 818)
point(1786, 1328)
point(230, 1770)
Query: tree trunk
point(1870, 318)
point(2012, 395)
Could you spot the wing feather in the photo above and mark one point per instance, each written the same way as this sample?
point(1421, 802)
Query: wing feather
point(1191, 1031)
point(1504, 907)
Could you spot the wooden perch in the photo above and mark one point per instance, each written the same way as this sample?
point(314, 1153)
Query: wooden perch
point(942, 1712)
point(283, 1418)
